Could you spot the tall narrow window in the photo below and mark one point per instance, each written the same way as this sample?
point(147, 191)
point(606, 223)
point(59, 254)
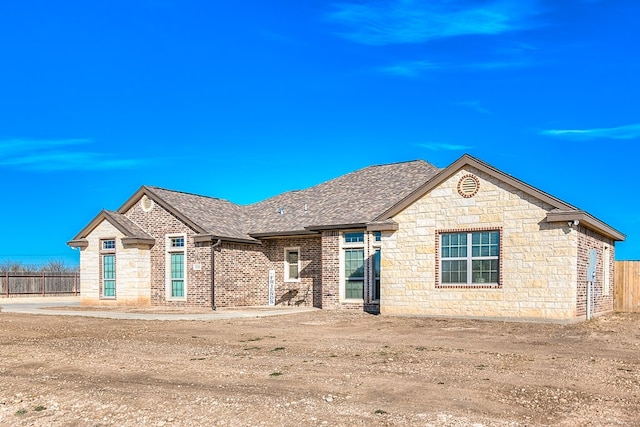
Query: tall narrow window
point(292, 264)
point(354, 273)
point(176, 288)
point(470, 258)
point(177, 274)
point(376, 275)
point(108, 267)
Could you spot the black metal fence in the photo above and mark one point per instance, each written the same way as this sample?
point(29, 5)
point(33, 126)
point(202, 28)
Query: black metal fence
point(39, 284)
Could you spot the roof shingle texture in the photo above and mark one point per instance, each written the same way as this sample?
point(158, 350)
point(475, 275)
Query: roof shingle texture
point(355, 198)
point(132, 229)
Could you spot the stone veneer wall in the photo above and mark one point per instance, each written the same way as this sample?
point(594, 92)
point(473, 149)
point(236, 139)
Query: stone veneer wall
point(600, 302)
point(132, 270)
point(538, 259)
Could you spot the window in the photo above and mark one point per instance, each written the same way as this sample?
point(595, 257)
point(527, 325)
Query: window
point(470, 258)
point(357, 237)
point(109, 275)
point(177, 274)
point(292, 264)
point(176, 267)
point(360, 266)
point(375, 268)
point(108, 268)
point(354, 273)
point(177, 242)
point(376, 274)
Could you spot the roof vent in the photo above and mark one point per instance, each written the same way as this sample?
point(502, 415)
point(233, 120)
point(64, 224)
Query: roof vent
point(281, 211)
point(468, 186)
point(146, 203)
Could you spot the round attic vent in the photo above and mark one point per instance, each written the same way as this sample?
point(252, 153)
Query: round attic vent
point(468, 186)
point(146, 203)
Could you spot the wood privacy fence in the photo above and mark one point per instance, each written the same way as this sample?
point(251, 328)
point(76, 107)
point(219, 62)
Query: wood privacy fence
point(38, 284)
point(627, 286)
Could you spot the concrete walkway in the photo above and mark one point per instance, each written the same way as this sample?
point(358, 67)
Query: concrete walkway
point(48, 307)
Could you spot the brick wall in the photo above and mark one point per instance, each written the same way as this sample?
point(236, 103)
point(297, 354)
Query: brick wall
point(330, 269)
point(601, 302)
point(242, 273)
point(158, 222)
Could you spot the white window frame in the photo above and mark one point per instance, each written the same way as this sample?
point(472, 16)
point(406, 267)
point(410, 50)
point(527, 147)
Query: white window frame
point(172, 250)
point(108, 251)
point(287, 251)
point(344, 246)
point(469, 259)
point(376, 245)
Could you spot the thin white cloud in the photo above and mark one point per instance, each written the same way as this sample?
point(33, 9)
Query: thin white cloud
point(58, 155)
point(474, 105)
point(411, 68)
point(436, 146)
point(386, 22)
point(12, 146)
point(417, 68)
point(620, 132)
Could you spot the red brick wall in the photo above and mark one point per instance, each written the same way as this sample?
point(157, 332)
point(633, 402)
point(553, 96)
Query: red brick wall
point(159, 222)
point(330, 269)
point(601, 303)
point(242, 270)
point(308, 291)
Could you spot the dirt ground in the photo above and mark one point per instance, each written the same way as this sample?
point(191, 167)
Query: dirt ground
point(318, 368)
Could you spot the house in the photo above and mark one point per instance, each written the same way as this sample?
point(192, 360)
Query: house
point(404, 238)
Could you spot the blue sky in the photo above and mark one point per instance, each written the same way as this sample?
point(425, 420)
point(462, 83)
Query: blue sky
point(243, 100)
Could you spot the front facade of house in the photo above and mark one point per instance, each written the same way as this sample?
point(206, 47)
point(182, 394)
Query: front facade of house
point(467, 240)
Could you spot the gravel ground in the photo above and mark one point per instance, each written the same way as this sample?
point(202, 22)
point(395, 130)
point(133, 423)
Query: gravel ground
point(319, 368)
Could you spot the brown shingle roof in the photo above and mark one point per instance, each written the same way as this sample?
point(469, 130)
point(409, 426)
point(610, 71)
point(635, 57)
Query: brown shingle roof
point(128, 227)
point(217, 217)
point(355, 198)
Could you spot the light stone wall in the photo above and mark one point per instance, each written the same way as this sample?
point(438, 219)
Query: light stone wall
point(133, 270)
point(538, 259)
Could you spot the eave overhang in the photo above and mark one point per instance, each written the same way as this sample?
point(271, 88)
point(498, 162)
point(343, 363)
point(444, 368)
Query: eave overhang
point(586, 220)
point(336, 226)
point(134, 241)
point(78, 243)
point(382, 226)
point(208, 238)
point(276, 234)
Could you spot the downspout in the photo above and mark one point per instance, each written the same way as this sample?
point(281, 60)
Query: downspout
point(213, 274)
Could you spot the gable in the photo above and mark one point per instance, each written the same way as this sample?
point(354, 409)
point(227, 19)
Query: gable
point(132, 234)
point(557, 210)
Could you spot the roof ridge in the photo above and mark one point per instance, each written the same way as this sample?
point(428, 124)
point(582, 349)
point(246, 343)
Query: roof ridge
point(153, 187)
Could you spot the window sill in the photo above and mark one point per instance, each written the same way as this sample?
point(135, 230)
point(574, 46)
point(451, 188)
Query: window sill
point(471, 286)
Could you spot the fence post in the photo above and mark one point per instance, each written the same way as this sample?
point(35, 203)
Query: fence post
point(7, 281)
point(75, 284)
point(43, 283)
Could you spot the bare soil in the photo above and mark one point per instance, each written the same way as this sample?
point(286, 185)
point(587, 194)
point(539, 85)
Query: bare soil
point(319, 368)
